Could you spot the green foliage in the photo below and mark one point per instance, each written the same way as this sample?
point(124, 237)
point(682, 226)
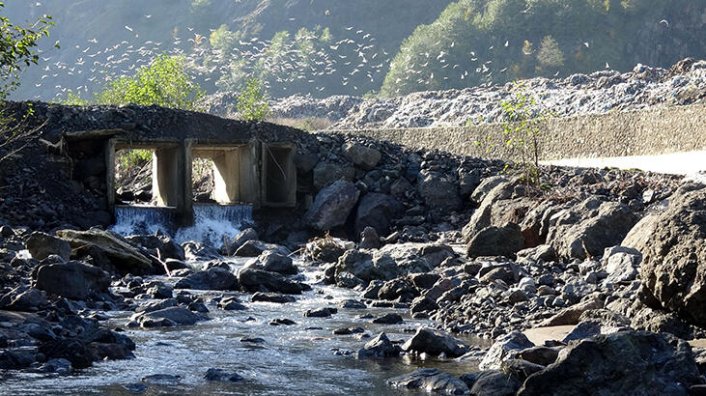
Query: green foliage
point(479, 41)
point(521, 138)
point(18, 49)
point(252, 101)
point(137, 158)
point(223, 39)
point(164, 83)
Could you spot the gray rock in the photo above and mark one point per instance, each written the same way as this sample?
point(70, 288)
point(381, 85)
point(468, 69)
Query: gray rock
point(431, 380)
point(253, 248)
point(73, 280)
point(503, 349)
point(497, 241)
point(24, 298)
point(253, 280)
point(110, 247)
point(161, 246)
point(41, 246)
point(369, 239)
point(214, 278)
point(220, 375)
point(495, 383)
point(243, 236)
point(231, 304)
point(273, 298)
point(379, 347)
point(332, 206)
point(326, 173)
point(439, 193)
point(435, 343)
point(173, 316)
point(273, 262)
point(635, 363)
point(365, 158)
point(377, 211)
point(674, 256)
point(390, 318)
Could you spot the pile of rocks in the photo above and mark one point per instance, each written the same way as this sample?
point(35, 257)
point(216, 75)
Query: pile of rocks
point(578, 94)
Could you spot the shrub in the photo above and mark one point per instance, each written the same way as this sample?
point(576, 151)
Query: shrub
point(252, 101)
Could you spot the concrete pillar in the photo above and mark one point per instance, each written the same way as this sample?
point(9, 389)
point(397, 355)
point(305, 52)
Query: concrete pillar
point(226, 176)
point(167, 169)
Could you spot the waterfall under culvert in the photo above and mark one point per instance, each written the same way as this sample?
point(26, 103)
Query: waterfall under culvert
point(213, 223)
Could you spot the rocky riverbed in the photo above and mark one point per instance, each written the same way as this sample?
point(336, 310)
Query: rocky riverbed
point(579, 94)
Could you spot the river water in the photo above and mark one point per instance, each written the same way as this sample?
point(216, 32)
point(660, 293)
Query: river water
point(293, 360)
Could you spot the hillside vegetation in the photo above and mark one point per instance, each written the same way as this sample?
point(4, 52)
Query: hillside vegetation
point(326, 48)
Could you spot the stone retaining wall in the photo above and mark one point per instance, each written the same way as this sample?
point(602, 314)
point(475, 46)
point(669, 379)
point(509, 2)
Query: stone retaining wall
point(642, 132)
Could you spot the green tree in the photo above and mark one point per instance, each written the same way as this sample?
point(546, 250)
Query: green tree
point(252, 101)
point(164, 83)
point(17, 51)
point(550, 55)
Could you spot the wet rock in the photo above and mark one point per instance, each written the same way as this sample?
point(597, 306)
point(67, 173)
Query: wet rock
point(252, 340)
point(41, 246)
point(365, 158)
point(273, 262)
point(16, 359)
point(391, 318)
point(58, 366)
point(327, 249)
point(214, 278)
point(152, 306)
point(332, 206)
point(503, 349)
point(398, 289)
point(74, 280)
point(674, 255)
point(253, 280)
point(161, 246)
point(495, 383)
point(273, 298)
point(231, 304)
point(352, 304)
point(110, 247)
point(282, 322)
point(431, 380)
point(497, 241)
point(162, 379)
point(239, 240)
point(254, 248)
point(435, 343)
point(377, 211)
point(320, 312)
point(173, 316)
point(379, 347)
point(621, 363)
point(423, 304)
point(349, 331)
point(221, 375)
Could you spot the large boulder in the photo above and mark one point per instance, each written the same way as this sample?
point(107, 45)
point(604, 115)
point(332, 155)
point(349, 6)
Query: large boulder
point(624, 363)
point(104, 245)
point(159, 246)
point(214, 278)
point(491, 191)
point(363, 157)
point(497, 241)
point(332, 205)
point(273, 262)
point(254, 280)
point(377, 211)
point(503, 349)
point(73, 280)
point(41, 246)
point(439, 192)
point(326, 173)
point(435, 343)
point(673, 270)
point(588, 238)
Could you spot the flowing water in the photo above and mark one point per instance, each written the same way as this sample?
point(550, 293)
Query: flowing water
point(294, 360)
point(302, 359)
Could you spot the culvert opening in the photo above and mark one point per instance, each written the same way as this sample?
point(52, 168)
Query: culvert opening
point(279, 175)
point(133, 176)
point(225, 175)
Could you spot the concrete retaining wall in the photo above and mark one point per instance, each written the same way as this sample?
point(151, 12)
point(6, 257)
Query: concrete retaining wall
point(615, 134)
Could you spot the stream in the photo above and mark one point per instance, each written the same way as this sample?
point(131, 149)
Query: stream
point(299, 360)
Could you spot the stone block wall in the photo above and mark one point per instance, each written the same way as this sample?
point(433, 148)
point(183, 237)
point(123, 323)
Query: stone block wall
point(615, 134)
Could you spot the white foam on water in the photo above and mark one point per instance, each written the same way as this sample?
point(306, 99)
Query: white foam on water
point(212, 223)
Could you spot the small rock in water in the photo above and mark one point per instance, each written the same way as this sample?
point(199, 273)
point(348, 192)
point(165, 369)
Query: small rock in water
point(391, 318)
point(231, 304)
point(432, 380)
point(349, 330)
point(273, 298)
point(162, 379)
point(352, 304)
point(135, 388)
point(214, 374)
point(379, 347)
point(252, 340)
point(320, 312)
point(284, 322)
